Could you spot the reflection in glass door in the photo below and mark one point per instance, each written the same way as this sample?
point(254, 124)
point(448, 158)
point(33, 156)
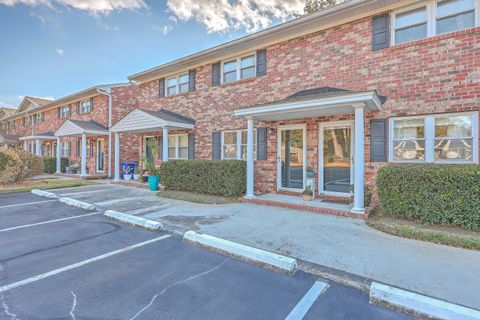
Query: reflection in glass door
point(100, 156)
point(337, 154)
point(291, 158)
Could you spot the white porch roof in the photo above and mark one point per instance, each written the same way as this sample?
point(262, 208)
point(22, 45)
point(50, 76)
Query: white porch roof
point(147, 121)
point(39, 136)
point(77, 128)
point(310, 103)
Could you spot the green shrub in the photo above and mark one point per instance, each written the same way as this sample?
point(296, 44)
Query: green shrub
point(220, 177)
point(50, 164)
point(21, 166)
point(431, 193)
point(5, 159)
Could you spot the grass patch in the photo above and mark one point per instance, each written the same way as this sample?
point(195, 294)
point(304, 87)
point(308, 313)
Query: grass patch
point(43, 184)
point(195, 197)
point(450, 236)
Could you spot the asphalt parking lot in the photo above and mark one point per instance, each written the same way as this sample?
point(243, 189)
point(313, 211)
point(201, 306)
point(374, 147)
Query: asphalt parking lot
point(58, 262)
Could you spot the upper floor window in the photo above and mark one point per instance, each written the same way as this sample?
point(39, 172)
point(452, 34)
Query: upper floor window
point(64, 112)
point(26, 121)
point(85, 106)
point(38, 118)
point(239, 68)
point(177, 84)
point(234, 144)
point(432, 18)
point(435, 138)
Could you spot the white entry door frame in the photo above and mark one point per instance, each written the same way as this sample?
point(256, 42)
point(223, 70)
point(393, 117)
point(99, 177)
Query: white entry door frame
point(281, 129)
point(100, 148)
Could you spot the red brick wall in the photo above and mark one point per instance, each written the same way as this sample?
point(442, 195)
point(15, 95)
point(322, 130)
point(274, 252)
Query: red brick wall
point(435, 75)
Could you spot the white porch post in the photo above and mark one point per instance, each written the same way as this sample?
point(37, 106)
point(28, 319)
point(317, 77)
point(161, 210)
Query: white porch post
point(117, 156)
point(250, 160)
point(165, 144)
point(38, 147)
point(59, 155)
point(25, 145)
point(84, 155)
point(359, 162)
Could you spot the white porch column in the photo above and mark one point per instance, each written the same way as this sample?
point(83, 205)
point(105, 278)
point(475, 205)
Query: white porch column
point(165, 144)
point(38, 147)
point(25, 145)
point(59, 155)
point(84, 155)
point(250, 159)
point(359, 162)
point(117, 156)
point(5, 145)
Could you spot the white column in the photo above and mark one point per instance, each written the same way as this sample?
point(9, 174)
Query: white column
point(59, 155)
point(38, 147)
point(359, 162)
point(117, 156)
point(250, 159)
point(84, 155)
point(5, 145)
point(25, 145)
point(165, 144)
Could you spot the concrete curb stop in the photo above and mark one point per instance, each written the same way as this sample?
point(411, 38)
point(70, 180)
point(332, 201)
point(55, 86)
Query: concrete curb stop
point(42, 193)
point(263, 258)
point(77, 204)
point(419, 305)
point(134, 220)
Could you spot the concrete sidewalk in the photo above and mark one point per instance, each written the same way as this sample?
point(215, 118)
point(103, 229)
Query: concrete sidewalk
point(341, 243)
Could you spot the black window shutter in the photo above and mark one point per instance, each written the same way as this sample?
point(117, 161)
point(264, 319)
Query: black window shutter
point(261, 143)
point(160, 148)
point(78, 107)
point(58, 113)
point(91, 104)
point(161, 88)
point(191, 146)
point(378, 140)
point(191, 80)
point(380, 32)
point(261, 62)
point(216, 74)
point(216, 145)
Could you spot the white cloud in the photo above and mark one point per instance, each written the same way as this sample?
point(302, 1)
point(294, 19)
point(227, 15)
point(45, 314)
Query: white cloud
point(59, 52)
point(165, 29)
point(92, 6)
point(224, 15)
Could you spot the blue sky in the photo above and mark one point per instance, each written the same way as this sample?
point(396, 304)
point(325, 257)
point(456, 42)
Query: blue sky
point(51, 48)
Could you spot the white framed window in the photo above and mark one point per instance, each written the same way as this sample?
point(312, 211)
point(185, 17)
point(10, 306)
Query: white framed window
point(432, 18)
point(65, 149)
point(442, 138)
point(38, 118)
point(177, 84)
point(239, 68)
point(234, 144)
point(64, 112)
point(85, 106)
point(178, 147)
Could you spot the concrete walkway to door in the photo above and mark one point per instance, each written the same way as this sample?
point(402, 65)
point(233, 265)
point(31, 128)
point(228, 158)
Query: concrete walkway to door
point(335, 242)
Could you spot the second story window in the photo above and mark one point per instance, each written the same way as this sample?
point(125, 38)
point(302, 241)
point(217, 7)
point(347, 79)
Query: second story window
point(85, 106)
point(26, 121)
point(64, 112)
point(38, 118)
point(432, 18)
point(177, 84)
point(238, 68)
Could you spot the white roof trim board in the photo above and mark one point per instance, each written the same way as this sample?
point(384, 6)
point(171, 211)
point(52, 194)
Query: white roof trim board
point(39, 137)
point(141, 121)
point(70, 128)
point(338, 105)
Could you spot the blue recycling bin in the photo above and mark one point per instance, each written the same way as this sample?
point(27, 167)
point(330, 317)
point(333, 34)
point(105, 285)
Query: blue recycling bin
point(128, 168)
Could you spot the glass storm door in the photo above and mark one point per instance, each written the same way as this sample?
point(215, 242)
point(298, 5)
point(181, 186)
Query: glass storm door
point(100, 156)
point(291, 158)
point(336, 157)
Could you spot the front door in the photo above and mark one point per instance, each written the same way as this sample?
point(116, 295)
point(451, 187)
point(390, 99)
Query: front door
point(335, 154)
point(100, 155)
point(291, 158)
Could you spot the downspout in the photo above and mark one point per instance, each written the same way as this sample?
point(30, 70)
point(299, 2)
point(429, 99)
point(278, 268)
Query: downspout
point(107, 91)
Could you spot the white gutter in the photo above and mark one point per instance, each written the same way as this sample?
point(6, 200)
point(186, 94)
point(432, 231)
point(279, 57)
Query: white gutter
point(108, 92)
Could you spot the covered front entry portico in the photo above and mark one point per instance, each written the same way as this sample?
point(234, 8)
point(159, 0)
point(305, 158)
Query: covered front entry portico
point(35, 143)
point(340, 157)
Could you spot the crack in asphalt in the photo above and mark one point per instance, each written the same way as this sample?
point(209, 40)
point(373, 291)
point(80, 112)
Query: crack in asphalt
point(177, 283)
point(74, 305)
point(6, 308)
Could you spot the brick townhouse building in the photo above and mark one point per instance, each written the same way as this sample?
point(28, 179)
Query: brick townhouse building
point(340, 93)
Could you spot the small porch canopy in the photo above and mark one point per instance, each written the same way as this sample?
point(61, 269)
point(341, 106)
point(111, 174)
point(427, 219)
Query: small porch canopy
point(38, 138)
point(79, 128)
point(142, 121)
point(311, 103)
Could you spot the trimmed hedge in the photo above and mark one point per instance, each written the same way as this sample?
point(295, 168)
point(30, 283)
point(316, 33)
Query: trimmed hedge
point(446, 194)
point(219, 177)
point(50, 164)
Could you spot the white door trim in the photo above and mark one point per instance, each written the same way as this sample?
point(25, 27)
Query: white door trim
point(98, 155)
point(334, 124)
point(279, 155)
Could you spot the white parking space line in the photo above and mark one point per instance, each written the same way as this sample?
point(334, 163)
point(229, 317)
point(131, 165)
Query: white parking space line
point(25, 204)
point(307, 301)
point(113, 201)
point(47, 222)
point(82, 192)
point(152, 208)
point(79, 264)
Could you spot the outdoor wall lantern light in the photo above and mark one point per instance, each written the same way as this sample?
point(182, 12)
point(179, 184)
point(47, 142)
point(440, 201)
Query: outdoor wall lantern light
point(271, 131)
